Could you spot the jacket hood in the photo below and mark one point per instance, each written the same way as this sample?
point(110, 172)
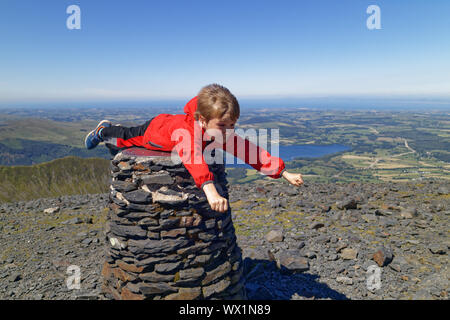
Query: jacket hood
point(190, 107)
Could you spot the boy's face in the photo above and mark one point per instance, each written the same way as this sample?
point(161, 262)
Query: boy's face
point(224, 125)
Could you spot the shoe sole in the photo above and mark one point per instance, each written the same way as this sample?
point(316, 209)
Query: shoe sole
point(99, 125)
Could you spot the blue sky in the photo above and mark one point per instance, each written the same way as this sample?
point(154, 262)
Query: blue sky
point(143, 49)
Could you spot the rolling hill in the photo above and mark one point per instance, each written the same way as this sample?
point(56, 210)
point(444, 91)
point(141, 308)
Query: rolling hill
point(66, 176)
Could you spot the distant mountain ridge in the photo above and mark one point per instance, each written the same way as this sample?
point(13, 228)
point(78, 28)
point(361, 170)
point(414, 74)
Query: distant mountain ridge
point(16, 152)
point(67, 176)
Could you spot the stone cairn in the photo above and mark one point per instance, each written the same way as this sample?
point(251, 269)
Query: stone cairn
point(163, 239)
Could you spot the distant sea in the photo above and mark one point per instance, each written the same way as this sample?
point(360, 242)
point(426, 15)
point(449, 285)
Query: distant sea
point(289, 153)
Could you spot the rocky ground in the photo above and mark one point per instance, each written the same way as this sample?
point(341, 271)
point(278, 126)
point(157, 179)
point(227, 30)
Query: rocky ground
point(319, 241)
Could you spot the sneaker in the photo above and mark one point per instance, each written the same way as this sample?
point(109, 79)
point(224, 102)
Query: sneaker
point(94, 138)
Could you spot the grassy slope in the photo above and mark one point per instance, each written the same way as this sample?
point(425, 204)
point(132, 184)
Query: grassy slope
point(66, 133)
point(66, 176)
point(31, 141)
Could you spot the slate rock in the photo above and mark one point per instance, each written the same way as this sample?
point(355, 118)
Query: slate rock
point(159, 178)
point(156, 277)
point(127, 231)
point(383, 256)
point(147, 222)
point(347, 204)
point(138, 215)
point(173, 233)
point(349, 254)
point(116, 243)
point(217, 287)
point(292, 261)
point(438, 248)
point(274, 202)
point(123, 186)
point(76, 220)
point(217, 273)
point(168, 196)
point(369, 218)
point(149, 208)
point(208, 236)
point(275, 236)
point(316, 225)
point(300, 245)
point(185, 294)
point(408, 213)
point(124, 166)
point(138, 196)
point(443, 190)
point(52, 210)
point(333, 257)
point(157, 288)
point(157, 246)
point(191, 274)
point(15, 277)
point(170, 267)
point(322, 239)
point(344, 280)
point(86, 241)
point(168, 223)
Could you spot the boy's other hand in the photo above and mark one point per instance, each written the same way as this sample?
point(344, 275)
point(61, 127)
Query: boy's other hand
point(218, 203)
point(293, 178)
point(215, 200)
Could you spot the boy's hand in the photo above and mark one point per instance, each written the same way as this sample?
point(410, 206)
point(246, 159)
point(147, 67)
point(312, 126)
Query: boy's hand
point(215, 200)
point(293, 178)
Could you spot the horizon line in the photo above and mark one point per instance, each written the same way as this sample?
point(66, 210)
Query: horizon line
point(445, 98)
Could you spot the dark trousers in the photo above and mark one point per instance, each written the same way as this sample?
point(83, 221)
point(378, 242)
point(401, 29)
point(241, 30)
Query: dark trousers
point(120, 137)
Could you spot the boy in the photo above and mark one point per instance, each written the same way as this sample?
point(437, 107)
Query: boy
point(211, 114)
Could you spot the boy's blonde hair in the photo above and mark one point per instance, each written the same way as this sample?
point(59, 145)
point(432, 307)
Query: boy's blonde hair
point(216, 101)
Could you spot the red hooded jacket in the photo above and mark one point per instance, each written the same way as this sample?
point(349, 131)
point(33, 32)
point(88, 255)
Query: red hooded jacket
point(182, 132)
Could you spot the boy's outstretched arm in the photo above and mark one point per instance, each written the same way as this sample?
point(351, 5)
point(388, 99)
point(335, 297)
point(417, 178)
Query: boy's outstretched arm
point(293, 178)
point(215, 200)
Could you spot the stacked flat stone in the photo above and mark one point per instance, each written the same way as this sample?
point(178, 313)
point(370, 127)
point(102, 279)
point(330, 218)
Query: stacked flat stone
point(163, 239)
